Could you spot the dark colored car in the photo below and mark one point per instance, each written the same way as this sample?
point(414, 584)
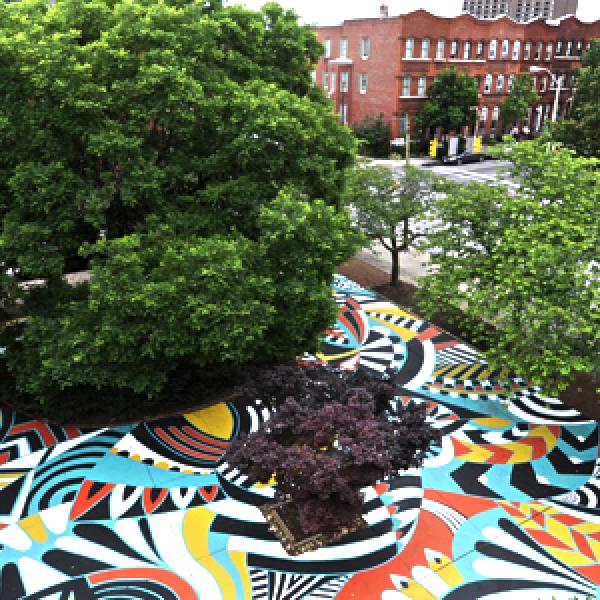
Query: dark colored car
point(463, 158)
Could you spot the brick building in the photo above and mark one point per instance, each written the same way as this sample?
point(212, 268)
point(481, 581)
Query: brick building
point(387, 64)
point(520, 10)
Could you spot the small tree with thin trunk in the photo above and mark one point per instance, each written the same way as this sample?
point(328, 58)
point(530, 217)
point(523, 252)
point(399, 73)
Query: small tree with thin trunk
point(521, 97)
point(390, 208)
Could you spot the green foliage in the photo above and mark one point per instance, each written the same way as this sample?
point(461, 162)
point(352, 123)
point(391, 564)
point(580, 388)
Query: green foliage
point(526, 262)
point(450, 97)
point(193, 136)
point(522, 96)
point(581, 131)
point(389, 208)
point(374, 136)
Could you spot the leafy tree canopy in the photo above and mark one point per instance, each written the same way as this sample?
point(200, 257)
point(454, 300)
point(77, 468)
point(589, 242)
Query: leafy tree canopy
point(375, 135)
point(451, 97)
point(526, 262)
point(390, 207)
point(521, 97)
point(192, 137)
point(581, 131)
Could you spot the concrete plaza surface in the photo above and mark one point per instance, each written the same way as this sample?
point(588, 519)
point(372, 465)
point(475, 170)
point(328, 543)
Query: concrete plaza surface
point(506, 507)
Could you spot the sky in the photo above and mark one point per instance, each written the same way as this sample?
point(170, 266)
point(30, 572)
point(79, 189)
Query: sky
point(331, 12)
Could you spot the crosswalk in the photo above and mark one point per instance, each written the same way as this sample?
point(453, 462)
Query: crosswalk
point(465, 175)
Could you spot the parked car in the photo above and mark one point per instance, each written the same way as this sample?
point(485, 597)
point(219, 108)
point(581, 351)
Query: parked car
point(463, 158)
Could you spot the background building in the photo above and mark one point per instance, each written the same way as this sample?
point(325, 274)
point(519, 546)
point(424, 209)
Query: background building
point(387, 64)
point(520, 10)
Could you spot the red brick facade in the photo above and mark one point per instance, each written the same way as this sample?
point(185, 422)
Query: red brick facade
point(379, 58)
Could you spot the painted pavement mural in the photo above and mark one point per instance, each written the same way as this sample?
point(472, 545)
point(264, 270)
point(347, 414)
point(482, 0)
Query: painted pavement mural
point(507, 506)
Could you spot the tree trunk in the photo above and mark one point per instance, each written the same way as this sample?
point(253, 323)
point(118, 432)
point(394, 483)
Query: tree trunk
point(395, 262)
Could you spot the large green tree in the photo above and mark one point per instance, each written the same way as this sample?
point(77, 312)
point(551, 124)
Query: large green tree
point(179, 151)
point(451, 98)
point(526, 262)
point(521, 97)
point(391, 208)
point(581, 130)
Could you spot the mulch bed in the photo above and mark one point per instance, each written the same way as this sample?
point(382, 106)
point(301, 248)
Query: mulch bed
point(581, 393)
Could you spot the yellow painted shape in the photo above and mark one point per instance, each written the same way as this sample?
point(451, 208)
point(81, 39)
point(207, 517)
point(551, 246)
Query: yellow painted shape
point(269, 483)
point(484, 375)
point(587, 528)
point(522, 453)
point(478, 453)
point(416, 591)
point(493, 422)
point(458, 369)
point(196, 525)
point(240, 562)
point(441, 371)
point(447, 571)
point(595, 546)
point(35, 528)
point(570, 557)
point(405, 334)
point(215, 420)
point(340, 356)
point(560, 531)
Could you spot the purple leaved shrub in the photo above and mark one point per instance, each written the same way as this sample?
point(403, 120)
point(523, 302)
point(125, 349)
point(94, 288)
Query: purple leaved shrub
point(333, 433)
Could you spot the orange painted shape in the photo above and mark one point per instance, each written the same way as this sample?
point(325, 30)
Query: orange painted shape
point(428, 334)
point(84, 501)
point(567, 520)
point(149, 504)
point(381, 488)
point(500, 454)
point(538, 445)
point(209, 493)
point(392, 509)
point(547, 539)
point(582, 544)
point(592, 572)
point(459, 448)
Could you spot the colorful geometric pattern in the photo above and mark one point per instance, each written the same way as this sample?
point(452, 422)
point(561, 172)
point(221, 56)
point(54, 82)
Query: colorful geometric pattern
point(506, 506)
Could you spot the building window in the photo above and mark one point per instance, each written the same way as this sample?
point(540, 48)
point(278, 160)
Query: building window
point(548, 50)
point(409, 48)
point(441, 49)
point(534, 83)
point(327, 48)
point(343, 48)
point(569, 48)
point(421, 86)
point(492, 50)
point(344, 81)
point(543, 84)
point(527, 52)
point(505, 44)
point(365, 48)
point(495, 115)
point(425, 48)
point(488, 84)
point(344, 113)
point(559, 47)
point(477, 82)
point(406, 86)
point(511, 82)
point(454, 49)
point(313, 76)
point(363, 85)
point(579, 47)
point(479, 54)
point(500, 83)
point(467, 50)
point(483, 117)
point(331, 83)
point(325, 79)
point(404, 123)
point(516, 50)
point(538, 51)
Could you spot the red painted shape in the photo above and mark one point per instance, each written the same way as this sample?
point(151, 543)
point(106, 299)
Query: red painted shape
point(84, 501)
point(72, 432)
point(459, 448)
point(180, 587)
point(381, 488)
point(500, 455)
point(176, 432)
point(209, 494)
point(204, 438)
point(39, 427)
point(151, 505)
point(547, 539)
point(567, 520)
point(161, 433)
point(428, 334)
point(582, 544)
point(444, 345)
point(592, 572)
point(4, 456)
point(392, 509)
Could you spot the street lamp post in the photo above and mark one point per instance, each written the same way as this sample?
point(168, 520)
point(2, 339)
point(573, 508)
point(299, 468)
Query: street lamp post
point(556, 81)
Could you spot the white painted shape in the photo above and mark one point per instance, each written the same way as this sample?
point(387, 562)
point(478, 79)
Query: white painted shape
point(430, 581)
point(118, 505)
point(14, 537)
point(62, 447)
point(426, 368)
point(56, 519)
point(129, 530)
point(37, 576)
point(182, 496)
point(86, 548)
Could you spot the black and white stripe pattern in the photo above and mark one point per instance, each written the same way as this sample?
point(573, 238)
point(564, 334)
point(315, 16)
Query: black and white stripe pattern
point(528, 405)
point(452, 518)
point(455, 355)
point(416, 325)
point(270, 585)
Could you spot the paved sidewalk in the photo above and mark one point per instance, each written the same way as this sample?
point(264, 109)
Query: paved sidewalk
point(506, 507)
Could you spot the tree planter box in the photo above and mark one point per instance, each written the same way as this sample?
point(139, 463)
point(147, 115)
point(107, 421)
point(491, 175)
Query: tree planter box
point(284, 522)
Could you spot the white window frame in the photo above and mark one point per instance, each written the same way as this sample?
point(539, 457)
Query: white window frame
point(327, 48)
point(492, 50)
point(454, 46)
point(480, 50)
point(500, 82)
point(543, 84)
point(467, 47)
point(560, 46)
point(344, 79)
point(325, 80)
point(504, 49)
point(404, 121)
point(365, 48)
point(569, 50)
point(483, 117)
point(406, 85)
point(495, 118)
point(527, 51)
point(332, 82)
point(488, 83)
point(343, 47)
point(409, 48)
point(511, 82)
point(421, 86)
point(539, 50)
point(425, 47)
point(363, 83)
point(549, 48)
point(440, 49)
point(516, 53)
